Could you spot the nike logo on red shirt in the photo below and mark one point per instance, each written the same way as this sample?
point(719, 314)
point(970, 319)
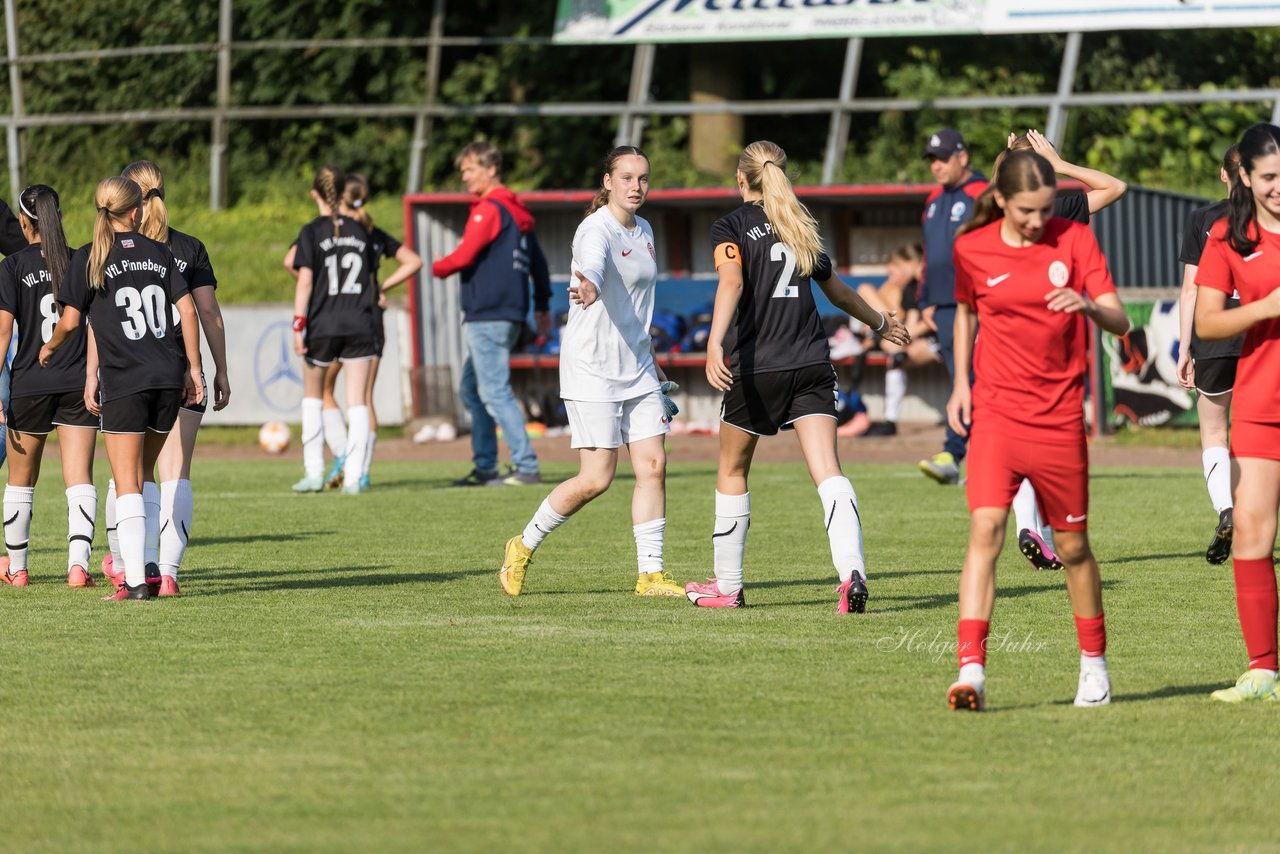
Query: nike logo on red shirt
point(626, 252)
point(991, 283)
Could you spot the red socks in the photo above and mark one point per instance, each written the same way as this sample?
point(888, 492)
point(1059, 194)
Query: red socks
point(972, 642)
point(1256, 603)
point(1091, 633)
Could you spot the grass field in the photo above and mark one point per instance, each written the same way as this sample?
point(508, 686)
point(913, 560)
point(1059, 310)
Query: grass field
point(343, 674)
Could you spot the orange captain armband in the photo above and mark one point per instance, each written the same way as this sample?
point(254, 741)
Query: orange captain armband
point(728, 253)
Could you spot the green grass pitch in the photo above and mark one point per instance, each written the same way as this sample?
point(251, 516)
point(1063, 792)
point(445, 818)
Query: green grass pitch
point(344, 674)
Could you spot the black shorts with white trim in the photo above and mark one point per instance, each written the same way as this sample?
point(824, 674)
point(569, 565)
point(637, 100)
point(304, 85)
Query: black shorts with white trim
point(154, 409)
point(343, 348)
point(1215, 376)
point(765, 403)
point(38, 414)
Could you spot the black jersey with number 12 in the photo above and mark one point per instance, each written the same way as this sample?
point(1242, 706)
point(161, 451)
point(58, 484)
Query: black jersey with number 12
point(341, 297)
point(777, 326)
point(130, 316)
point(26, 292)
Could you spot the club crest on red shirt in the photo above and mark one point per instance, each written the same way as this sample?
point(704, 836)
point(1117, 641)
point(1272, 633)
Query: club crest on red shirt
point(1059, 275)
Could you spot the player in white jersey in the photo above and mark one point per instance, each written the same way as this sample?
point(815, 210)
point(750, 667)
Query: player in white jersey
point(611, 385)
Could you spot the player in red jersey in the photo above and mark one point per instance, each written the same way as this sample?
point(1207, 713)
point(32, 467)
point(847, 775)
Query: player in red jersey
point(1243, 255)
point(1029, 279)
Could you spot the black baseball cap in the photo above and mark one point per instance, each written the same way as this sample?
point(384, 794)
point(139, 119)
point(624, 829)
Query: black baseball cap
point(944, 143)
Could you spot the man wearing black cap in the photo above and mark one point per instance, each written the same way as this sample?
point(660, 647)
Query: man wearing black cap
point(949, 206)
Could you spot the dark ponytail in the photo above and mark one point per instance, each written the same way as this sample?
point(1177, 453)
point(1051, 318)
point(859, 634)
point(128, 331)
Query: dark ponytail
point(1243, 233)
point(1017, 172)
point(39, 204)
point(610, 161)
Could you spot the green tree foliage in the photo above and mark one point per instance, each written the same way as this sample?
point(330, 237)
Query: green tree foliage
point(1174, 146)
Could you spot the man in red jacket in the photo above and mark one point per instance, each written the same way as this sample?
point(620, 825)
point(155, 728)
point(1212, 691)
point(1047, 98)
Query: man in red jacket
point(498, 255)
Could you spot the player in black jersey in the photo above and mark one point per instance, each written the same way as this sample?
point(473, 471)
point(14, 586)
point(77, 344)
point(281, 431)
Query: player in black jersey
point(172, 499)
point(1209, 367)
point(355, 195)
point(778, 372)
point(333, 321)
point(125, 284)
point(44, 398)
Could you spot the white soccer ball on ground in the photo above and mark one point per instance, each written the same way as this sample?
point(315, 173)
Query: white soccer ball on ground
point(274, 437)
point(446, 432)
point(427, 433)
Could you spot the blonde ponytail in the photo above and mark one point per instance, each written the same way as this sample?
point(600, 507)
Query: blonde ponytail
point(763, 164)
point(329, 184)
point(155, 214)
point(610, 162)
point(355, 195)
point(116, 198)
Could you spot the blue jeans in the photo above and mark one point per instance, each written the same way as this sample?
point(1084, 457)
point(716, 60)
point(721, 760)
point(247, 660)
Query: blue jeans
point(486, 392)
point(945, 317)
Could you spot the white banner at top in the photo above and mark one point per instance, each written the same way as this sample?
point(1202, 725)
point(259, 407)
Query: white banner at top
point(616, 21)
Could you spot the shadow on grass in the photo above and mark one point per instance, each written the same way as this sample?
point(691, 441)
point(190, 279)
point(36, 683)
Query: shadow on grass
point(258, 538)
point(947, 600)
point(1138, 475)
point(1170, 691)
point(320, 579)
point(1140, 558)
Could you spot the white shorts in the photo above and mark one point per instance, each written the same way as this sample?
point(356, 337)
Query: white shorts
point(610, 423)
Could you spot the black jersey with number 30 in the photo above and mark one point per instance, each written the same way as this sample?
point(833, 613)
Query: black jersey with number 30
point(341, 294)
point(777, 327)
point(130, 316)
point(26, 292)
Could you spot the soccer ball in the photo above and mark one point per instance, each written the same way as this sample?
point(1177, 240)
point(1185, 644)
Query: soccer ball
point(274, 437)
point(446, 432)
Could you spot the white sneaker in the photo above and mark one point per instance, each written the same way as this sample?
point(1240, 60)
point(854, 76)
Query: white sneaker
point(1094, 689)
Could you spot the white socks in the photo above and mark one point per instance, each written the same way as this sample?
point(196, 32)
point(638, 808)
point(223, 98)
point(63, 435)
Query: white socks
point(335, 431)
point(151, 506)
point(357, 445)
point(17, 524)
point(82, 510)
point(176, 507)
point(369, 446)
point(974, 675)
point(313, 436)
point(895, 391)
point(544, 521)
point(131, 527)
point(1217, 476)
point(109, 516)
point(1026, 513)
point(649, 545)
point(1093, 662)
point(729, 540)
point(844, 526)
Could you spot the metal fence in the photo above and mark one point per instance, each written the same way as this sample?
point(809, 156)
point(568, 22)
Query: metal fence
point(629, 114)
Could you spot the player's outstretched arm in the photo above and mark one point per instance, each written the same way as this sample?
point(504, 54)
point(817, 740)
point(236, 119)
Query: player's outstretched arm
point(845, 298)
point(215, 333)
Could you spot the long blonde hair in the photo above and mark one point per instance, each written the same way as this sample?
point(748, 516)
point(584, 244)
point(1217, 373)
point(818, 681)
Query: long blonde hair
point(354, 195)
point(329, 184)
point(155, 214)
point(115, 199)
point(764, 166)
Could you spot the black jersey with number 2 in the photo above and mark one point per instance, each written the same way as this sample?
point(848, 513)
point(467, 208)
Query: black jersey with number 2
point(26, 292)
point(130, 316)
point(342, 267)
point(1194, 237)
point(777, 326)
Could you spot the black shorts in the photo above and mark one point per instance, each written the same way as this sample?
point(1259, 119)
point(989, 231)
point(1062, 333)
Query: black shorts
point(199, 408)
point(1215, 376)
point(154, 410)
point(323, 352)
point(379, 332)
point(763, 404)
point(38, 414)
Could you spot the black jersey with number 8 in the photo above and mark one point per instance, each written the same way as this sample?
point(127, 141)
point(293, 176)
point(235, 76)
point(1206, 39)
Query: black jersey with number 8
point(342, 298)
point(131, 315)
point(777, 327)
point(26, 292)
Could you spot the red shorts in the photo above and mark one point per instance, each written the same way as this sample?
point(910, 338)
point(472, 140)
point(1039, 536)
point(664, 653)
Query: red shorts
point(1254, 439)
point(1058, 471)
